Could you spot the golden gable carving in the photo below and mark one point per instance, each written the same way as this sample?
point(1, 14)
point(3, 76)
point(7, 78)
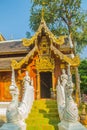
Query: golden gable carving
point(45, 64)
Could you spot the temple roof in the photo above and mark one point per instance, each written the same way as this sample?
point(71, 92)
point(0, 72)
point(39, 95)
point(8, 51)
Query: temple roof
point(12, 47)
point(5, 63)
point(18, 52)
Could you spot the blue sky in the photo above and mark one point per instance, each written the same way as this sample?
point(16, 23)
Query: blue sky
point(14, 18)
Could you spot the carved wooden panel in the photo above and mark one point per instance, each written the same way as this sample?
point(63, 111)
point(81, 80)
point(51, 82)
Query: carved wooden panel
point(5, 80)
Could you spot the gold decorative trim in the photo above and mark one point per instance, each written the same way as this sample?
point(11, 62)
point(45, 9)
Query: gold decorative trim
point(45, 64)
point(2, 38)
point(17, 65)
point(72, 61)
point(60, 40)
point(28, 42)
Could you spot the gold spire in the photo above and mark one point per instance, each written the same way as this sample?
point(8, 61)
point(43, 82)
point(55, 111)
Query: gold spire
point(43, 12)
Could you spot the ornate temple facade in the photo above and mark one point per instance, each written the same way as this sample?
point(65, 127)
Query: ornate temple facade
point(43, 56)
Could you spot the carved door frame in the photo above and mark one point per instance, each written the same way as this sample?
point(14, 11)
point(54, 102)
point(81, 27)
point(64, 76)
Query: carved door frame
point(39, 85)
point(44, 64)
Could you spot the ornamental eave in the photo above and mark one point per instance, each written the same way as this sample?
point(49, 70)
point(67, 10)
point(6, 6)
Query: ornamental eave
point(18, 65)
point(75, 61)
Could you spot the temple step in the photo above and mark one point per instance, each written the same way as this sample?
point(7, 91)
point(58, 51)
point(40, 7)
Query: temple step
point(43, 115)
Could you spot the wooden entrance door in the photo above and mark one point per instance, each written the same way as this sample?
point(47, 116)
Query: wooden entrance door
point(45, 84)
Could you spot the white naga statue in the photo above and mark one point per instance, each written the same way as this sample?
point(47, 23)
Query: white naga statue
point(70, 111)
point(61, 93)
point(12, 110)
point(67, 108)
point(17, 112)
point(28, 96)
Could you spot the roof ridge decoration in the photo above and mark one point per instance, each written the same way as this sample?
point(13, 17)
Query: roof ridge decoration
point(17, 65)
point(60, 40)
point(72, 61)
point(2, 38)
point(42, 11)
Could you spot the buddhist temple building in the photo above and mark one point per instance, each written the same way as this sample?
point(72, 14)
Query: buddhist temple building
point(43, 56)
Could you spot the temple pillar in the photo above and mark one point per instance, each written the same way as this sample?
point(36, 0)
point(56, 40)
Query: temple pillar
point(2, 91)
point(38, 86)
point(53, 91)
point(78, 96)
point(53, 87)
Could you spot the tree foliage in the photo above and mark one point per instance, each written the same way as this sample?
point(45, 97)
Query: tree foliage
point(63, 17)
point(83, 76)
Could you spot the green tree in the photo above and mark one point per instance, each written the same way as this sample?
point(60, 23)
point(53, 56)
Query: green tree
point(63, 17)
point(83, 76)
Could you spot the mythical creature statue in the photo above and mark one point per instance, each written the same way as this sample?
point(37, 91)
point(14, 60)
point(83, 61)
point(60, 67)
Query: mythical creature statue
point(61, 93)
point(71, 110)
point(28, 96)
point(66, 106)
point(12, 112)
point(16, 113)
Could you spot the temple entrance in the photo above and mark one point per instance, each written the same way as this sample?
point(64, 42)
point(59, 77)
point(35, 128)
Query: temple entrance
point(45, 84)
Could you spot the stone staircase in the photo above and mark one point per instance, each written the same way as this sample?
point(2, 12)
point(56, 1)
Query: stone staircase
point(43, 115)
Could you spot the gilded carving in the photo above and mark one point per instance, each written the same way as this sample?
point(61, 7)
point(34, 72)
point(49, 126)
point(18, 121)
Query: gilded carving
point(17, 65)
point(2, 38)
point(28, 42)
point(73, 62)
point(44, 47)
point(45, 63)
point(59, 41)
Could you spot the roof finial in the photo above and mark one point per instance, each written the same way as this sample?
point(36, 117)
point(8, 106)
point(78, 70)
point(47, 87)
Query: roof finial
point(42, 13)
